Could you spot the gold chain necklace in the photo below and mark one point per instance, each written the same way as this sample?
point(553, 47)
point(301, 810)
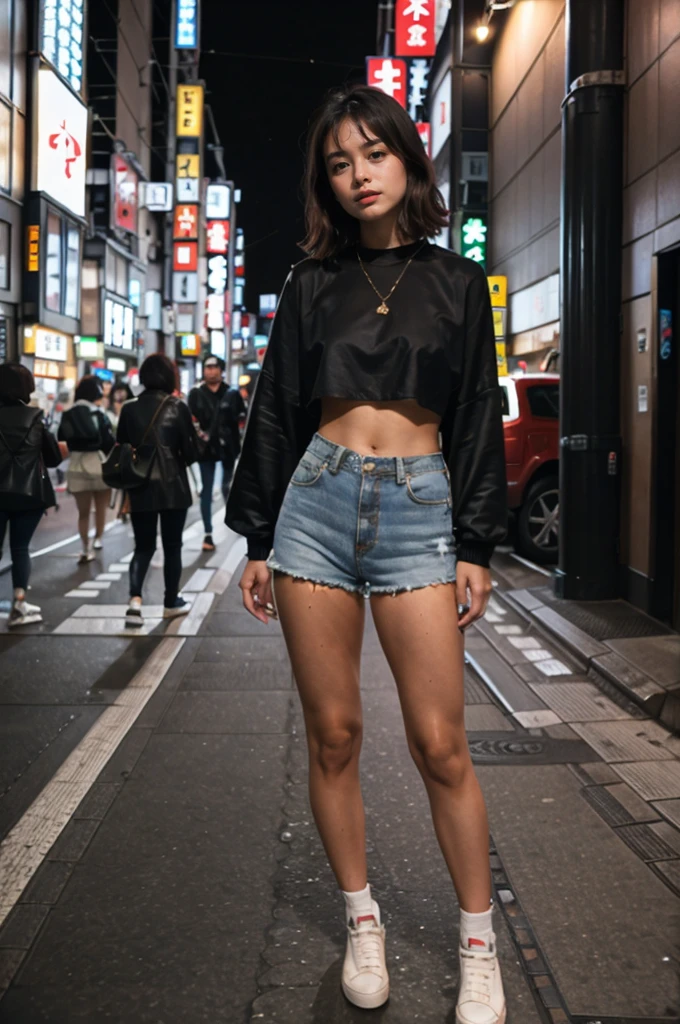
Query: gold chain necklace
point(383, 308)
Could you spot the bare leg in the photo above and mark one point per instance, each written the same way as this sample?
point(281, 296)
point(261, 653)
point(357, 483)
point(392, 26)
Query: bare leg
point(323, 629)
point(101, 504)
point(83, 502)
point(419, 635)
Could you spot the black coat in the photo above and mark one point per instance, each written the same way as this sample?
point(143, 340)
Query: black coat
point(176, 443)
point(86, 428)
point(27, 448)
point(218, 416)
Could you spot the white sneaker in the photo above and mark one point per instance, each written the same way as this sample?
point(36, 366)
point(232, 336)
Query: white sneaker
point(133, 616)
point(180, 607)
point(85, 556)
point(365, 980)
point(23, 614)
point(480, 997)
point(97, 544)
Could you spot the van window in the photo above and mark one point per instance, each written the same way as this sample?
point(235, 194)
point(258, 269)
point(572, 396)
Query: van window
point(544, 400)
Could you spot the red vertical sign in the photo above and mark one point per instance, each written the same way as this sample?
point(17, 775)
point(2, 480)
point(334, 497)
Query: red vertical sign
point(415, 28)
point(389, 75)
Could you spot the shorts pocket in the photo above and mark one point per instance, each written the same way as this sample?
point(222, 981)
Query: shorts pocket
point(309, 470)
point(431, 488)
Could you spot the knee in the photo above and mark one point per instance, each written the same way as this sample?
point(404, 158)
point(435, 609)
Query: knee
point(444, 759)
point(335, 748)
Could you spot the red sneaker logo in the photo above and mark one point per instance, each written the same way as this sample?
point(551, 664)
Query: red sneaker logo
point(476, 942)
point(366, 917)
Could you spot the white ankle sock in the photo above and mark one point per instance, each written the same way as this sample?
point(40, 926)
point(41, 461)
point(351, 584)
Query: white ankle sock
point(476, 930)
point(359, 904)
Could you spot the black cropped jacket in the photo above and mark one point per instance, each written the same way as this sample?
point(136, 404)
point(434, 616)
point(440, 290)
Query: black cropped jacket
point(436, 345)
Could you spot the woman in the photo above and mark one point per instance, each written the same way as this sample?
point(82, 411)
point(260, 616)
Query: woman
point(381, 341)
point(120, 393)
point(27, 449)
point(87, 431)
point(160, 425)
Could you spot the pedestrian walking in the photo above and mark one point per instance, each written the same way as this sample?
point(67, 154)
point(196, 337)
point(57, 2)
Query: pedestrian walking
point(86, 429)
point(381, 342)
point(159, 426)
point(27, 450)
point(120, 392)
point(217, 407)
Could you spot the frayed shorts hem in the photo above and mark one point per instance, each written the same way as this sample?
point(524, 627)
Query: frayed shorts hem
point(366, 590)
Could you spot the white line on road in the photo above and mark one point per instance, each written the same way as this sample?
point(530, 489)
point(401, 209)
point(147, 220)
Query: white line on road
point(530, 565)
point(31, 839)
point(488, 681)
point(70, 540)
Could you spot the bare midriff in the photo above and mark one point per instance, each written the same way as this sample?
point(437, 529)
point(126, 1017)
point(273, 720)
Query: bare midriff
point(380, 428)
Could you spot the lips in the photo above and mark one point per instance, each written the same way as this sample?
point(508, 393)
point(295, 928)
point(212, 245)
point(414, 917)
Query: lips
point(366, 195)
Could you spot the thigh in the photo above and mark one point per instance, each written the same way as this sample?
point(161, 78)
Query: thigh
point(419, 634)
point(323, 628)
point(83, 502)
point(172, 526)
point(22, 526)
point(102, 500)
point(144, 527)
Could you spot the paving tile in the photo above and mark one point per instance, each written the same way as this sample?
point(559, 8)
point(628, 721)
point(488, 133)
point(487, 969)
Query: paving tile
point(22, 925)
point(254, 675)
point(238, 711)
point(638, 809)
point(653, 780)
point(486, 718)
point(668, 834)
point(626, 741)
point(669, 871)
point(670, 810)
point(657, 656)
point(47, 883)
point(596, 773)
point(235, 650)
point(578, 702)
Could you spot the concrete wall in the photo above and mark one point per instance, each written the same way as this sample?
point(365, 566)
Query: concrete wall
point(651, 223)
point(527, 88)
point(133, 89)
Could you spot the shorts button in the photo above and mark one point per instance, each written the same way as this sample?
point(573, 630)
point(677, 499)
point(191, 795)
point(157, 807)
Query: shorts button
point(369, 466)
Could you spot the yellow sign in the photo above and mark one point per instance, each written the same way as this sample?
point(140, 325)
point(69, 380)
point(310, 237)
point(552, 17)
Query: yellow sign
point(498, 290)
point(499, 322)
point(190, 110)
point(501, 361)
point(188, 165)
point(190, 344)
point(33, 248)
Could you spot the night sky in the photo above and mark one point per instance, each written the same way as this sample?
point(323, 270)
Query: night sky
point(262, 95)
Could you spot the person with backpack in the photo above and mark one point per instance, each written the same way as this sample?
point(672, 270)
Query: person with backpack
point(27, 450)
point(87, 430)
point(217, 407)
point(155, 430)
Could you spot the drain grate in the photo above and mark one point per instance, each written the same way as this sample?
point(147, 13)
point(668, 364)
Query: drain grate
point(507, 750)
point(603, 620)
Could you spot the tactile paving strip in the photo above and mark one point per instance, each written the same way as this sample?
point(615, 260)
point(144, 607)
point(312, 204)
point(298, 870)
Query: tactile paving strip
point(653, 780)
point(645, 843)
point(578, 702)
point(603, 620)
point(626, 741)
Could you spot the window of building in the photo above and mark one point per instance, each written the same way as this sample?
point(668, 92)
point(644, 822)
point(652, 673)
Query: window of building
point(72, 271)
point(544, 401)
point(18, 150)
point(6, 47)
point(5, 244)
point(53, 250)
point(121, 276)
point(89, 299)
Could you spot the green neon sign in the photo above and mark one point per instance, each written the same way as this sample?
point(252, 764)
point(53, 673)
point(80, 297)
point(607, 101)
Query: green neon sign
point(474, 239)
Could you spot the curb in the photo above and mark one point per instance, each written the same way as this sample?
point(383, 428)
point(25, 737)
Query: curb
point(654, 699)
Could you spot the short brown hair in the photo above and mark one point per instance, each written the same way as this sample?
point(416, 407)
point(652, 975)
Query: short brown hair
point(159, 373)
point(16, 383)
point(329, 227)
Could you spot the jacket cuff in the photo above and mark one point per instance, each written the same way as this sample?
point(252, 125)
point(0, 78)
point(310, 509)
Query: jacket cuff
point(476, 553)
point(258, 549)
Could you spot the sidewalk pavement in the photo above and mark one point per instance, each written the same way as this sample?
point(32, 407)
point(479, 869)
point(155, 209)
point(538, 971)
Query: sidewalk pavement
point(635, 652)
point(189, 884)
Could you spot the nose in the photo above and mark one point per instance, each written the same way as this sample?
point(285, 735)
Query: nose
point(362, 172)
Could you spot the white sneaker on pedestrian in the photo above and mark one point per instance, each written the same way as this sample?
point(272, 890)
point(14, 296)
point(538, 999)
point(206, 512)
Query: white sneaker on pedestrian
point(133, 616)
point(23, 614)
point(365, 980)
point(98, 544)
point(85, 556)
point(180, 607)
point(480, 997)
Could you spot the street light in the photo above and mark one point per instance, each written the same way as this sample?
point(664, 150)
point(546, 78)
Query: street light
point(482, 32)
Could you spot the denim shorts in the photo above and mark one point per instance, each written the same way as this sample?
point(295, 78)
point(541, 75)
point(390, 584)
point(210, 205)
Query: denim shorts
point(372, 525)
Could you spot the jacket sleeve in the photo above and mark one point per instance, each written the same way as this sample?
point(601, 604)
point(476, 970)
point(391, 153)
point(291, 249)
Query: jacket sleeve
point(472, 436)
point(107, 439)
point(278, 429)
point(190, 444)
point(50, 449)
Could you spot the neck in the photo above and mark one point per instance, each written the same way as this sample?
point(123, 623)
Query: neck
point(215, 386)
point(383, 234)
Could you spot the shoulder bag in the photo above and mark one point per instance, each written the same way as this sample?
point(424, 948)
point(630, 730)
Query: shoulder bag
point(125, 468)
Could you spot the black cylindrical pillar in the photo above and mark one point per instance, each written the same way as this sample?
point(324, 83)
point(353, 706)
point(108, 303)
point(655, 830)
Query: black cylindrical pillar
point(590, 279)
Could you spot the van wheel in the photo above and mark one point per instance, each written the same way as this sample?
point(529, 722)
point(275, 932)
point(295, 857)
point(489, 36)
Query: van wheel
point(538, 521)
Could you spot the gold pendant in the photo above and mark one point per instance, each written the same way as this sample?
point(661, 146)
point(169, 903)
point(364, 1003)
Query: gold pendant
point(382, 308)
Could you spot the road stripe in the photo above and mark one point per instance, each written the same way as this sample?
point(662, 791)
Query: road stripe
point(70, 540)
point(530, 565)
point(488, 681)
point(31, 839)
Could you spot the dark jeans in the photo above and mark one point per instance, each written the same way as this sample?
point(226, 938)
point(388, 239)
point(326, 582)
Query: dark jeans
point(207, 483)
point(145, 525)
point(22, 526)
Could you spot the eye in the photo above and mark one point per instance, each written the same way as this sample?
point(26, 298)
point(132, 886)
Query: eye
point(377, 153)
point(339, 166)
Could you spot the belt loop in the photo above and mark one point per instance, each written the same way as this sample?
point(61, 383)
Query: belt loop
point(336, 461)
point(401, 475)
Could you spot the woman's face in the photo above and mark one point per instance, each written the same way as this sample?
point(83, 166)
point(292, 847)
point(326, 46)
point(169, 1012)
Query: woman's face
point(119, 396)
point(369, 181)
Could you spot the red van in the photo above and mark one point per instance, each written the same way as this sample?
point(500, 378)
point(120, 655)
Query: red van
point(531, 427)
